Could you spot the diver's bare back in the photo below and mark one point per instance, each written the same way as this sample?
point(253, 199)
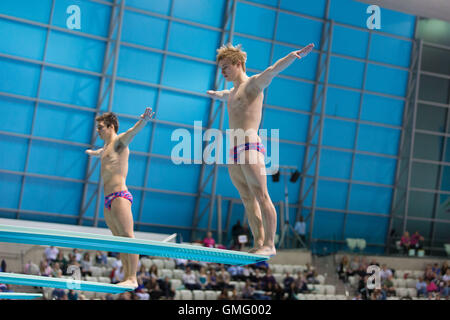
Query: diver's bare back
point(114, 166)
point(245, 108)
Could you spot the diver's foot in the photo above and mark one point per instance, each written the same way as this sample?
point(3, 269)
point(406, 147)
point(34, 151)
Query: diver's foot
point(266, 251)
point(128, 283)
point(254, 249)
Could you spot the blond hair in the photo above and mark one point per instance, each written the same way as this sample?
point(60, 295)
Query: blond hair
point(234, 54)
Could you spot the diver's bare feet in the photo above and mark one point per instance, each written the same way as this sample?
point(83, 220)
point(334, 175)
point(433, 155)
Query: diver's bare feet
point(128, 283)
point(266, 251)
point(254, 249)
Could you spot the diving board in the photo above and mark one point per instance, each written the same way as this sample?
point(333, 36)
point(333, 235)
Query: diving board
point(61, 283)
point(19, 296)
point(89, 241)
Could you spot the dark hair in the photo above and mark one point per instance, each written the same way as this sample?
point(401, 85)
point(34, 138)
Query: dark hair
point(110, 119)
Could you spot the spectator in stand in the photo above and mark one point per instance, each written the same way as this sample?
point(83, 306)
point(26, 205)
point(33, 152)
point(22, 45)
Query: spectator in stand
point(203, 277)
point(72, 295)
point(236, 231)
point(143, 276)
point(301, 285)
point(211, 283)
point(444, 268)
point(194, 265)
point(73, 262)
point(405, 242)
point(221, 281)
point(362, 271)
point(300, 230)
point(3, 266)
point(268, 290)
point(385, 272)
point(365, 292)
point(5, 287)
point(287, 281)
point(86, 265)
point(248, 290)
point(153, 289)
point(31, 268)
point(312, 278)
point(190, 280)
point(416, 241)
point(243, 273)
point(388, 286)
point(44, 269)
point(354, 266)
point(233, 271)
point(429, 274)
point(446, 280)
point(166, 288)
point(77, 255)
point(268, 278)
point(291, 291)
point(56, 271)
point(63, 262)
point(59, 294)
point(446, 276)
point(255, 276)
point(153, 271)
point(180, 263)
point(378, 294)
point(51, 253)
point(431, 287)
point(436, 270)
point(209, 241)
point(223, 278)
point(142, 293)
point(421, 287)
point(277, 292)
point(343, 268)
point(118, 275)
point(100, 258)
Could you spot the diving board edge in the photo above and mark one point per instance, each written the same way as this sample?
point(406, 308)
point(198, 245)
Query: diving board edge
point(51, 237)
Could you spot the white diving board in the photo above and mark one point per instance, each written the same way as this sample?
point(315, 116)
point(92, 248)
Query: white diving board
point(89, 241)
point(61, 283)
point(19, 296)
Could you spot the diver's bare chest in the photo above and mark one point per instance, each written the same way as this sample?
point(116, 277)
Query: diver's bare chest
point(114, 153)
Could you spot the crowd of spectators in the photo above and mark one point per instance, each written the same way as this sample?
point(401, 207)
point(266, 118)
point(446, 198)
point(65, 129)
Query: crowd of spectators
point(259, 281)
point(433, 284)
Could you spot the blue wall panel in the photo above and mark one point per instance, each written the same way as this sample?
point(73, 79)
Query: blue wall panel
point(80, 53)
point(10, 121)
point(28, 41)
point(68, 87)
point(137, 27)
point(255, 21)
point(27, 9)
